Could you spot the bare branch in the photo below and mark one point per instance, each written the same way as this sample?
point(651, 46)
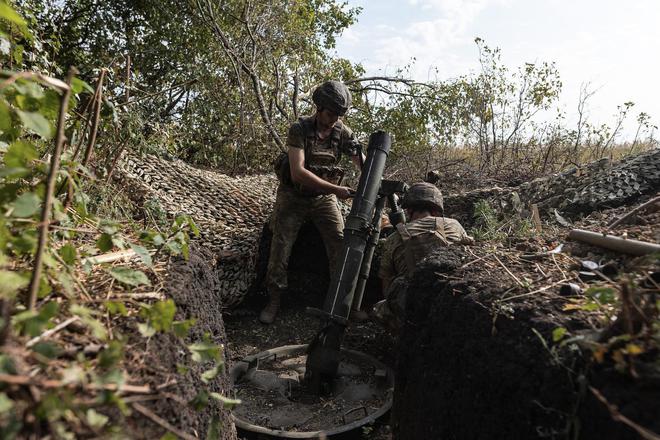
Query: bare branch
point(50, 189)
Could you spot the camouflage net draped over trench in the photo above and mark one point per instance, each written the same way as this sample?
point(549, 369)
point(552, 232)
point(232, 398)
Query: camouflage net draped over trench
point(229, 211)
point(232, 211)
point(577, 191)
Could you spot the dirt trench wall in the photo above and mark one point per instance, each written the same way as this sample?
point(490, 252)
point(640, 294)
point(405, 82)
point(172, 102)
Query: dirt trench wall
point(456, 380)
point(192, 285)
point(464, 374)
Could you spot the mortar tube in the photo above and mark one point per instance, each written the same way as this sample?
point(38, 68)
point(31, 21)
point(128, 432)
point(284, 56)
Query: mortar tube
point(365, 268)
point(324, 350)
point(358, 224)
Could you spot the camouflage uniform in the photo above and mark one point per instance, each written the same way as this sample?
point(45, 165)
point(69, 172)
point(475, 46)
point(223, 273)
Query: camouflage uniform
point(404, 250)
point(295, 204)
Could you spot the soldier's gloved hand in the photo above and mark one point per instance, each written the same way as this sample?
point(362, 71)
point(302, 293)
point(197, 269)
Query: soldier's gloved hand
point(343, 192)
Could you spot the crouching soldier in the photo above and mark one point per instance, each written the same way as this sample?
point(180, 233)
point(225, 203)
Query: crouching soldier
point(425, 231)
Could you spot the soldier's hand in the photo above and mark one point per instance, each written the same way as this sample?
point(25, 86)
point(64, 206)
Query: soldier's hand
point(344, 192)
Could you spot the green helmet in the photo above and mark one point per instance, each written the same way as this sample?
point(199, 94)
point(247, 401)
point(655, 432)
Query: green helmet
point(423, 195)
point(334, 96)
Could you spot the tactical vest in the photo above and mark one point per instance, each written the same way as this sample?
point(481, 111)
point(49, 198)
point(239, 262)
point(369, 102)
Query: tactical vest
point(321, 158)
point(419, 244)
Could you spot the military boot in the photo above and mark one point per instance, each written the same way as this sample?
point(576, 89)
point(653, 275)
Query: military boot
point(267, 315)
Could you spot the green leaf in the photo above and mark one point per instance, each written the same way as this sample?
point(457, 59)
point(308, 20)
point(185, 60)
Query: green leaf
point(87, 317)
point(104, 243)
point(49, 350)
point(7, 13)
point(20, 154)
point(116, 308)
point(169, 436)
point(44, 287)
point(604, 295)
point(66, 281)
point(591, 306)
point(129, 276)
point(68, 254)
point(78, 85)
point(6, 404)
point(211, 374)
point(200, 401)
point(26, 243)
point(5, 116)
point(146, 330)
point(13, 173)
point(26, 205)
point(10, 283)
point(95, 419)
point(50, 105)
point(174, 247)
point(181, 328)
point(143, 253)
point(193, 226)
point(227, 403)
point(558, 334)
point(32, 322)
point(205, 351)
point(37, 123)
point(109, 227)
point(185, 250)
point(159, 315)
point(214, 432)
point(111, 355)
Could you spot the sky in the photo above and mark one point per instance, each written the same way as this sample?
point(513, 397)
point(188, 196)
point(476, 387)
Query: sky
point(612, 45)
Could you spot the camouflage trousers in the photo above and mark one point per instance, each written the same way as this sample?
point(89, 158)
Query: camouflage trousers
point(291, 211)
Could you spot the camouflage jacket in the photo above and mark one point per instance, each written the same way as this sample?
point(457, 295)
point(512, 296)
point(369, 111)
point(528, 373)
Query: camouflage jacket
point(322, 156)
point(414, 241)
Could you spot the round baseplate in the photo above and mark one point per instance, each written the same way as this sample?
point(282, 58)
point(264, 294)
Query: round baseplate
point(276, 402)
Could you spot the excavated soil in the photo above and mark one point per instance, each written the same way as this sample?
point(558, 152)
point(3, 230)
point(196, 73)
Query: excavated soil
point(477, 359)
point(191, 284)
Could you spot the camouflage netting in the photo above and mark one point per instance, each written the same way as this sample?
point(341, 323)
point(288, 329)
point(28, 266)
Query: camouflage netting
point(232, 211)
point(581, 190)
point(229, 211)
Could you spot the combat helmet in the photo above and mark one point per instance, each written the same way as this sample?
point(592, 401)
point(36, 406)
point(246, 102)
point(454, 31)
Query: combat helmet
point(334, 96)
point(423, 195)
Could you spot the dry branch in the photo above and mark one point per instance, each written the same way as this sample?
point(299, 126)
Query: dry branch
point(633, 212)
point(52, 383)
point(110, 257)
point(618, 417)
point(155, 418)
point(95, 118)
point(51, 332)
point(50, 189)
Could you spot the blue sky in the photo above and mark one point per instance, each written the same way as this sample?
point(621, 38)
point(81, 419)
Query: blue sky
point(613, 45)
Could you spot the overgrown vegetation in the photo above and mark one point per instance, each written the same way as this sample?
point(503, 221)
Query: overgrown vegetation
point(218, 83)
point(54, 248)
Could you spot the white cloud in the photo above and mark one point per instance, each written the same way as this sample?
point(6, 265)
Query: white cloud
point(430, 37)
point(603, 42)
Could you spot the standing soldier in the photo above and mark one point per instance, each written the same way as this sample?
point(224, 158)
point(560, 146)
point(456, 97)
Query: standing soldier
point(310, 183)
point(426, 231)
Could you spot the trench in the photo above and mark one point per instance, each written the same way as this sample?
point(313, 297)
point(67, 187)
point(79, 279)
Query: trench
point(463, 370)
point(308, 282)
point(469, 369)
